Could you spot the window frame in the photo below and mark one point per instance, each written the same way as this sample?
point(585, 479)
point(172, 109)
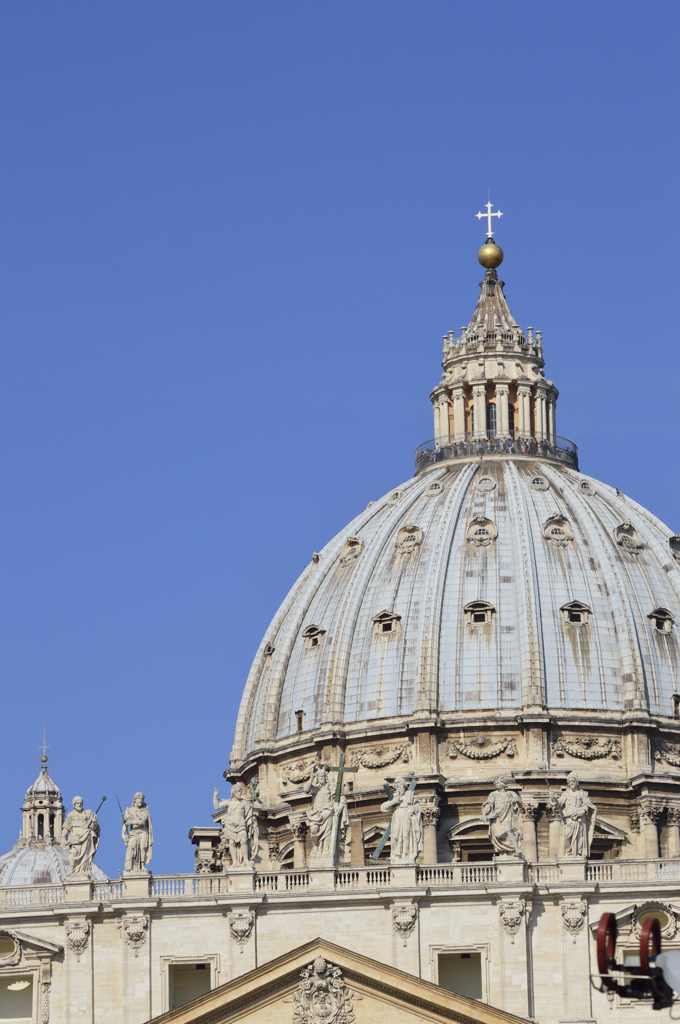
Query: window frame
point(482, 948)
point(166, 962)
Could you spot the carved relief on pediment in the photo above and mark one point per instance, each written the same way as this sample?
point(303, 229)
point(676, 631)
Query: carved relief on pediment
point(322, 997)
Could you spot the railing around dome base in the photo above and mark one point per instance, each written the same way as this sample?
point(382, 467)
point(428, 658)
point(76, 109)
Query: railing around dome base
point(466, 446)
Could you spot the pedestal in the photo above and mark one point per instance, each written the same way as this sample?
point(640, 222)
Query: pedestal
point(572, 869)
point(241, 879)
point(136, 883)
point(510, 869)
point(403, 874)
point(78, 888)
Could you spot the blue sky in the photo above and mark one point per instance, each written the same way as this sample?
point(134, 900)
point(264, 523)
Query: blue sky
point(231, 238)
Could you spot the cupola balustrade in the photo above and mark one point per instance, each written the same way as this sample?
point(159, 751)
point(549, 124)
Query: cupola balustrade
point(468, 445)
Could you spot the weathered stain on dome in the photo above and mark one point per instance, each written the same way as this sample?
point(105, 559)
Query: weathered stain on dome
point(527, 655)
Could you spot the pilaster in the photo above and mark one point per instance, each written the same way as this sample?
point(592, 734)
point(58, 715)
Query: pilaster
point(576, 998)
point(406, 936)
point(514, 962)
point(430, 823)
point(673, 824)
point(530, 813)
point(458, 399)
point(135, 967)
point(503, 422)
point(479, 402)
point(242, 925)
point(650, 815)
point(299, 829)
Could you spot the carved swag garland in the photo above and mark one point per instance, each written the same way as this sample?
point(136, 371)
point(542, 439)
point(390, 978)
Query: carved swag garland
point(588, 748)
point(482, 748)
point(380, 755)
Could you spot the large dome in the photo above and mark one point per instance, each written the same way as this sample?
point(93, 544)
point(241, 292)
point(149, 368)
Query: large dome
point(571, 582)
point(498, 577)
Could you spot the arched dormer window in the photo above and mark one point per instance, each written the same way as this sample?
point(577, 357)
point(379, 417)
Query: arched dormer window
point(313, 636)
point(575, 613)
point(661, 619)
point(478, 613)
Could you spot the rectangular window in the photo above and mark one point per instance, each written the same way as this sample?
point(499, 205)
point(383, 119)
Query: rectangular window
point(462, 973)
point(16, 997)
point(187, 982)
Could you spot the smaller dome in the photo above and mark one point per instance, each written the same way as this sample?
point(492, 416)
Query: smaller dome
point(42, 864)
point(490, 255)
point(44, 785)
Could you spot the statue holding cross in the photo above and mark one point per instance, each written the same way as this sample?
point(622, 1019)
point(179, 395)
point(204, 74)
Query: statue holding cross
point(328, 816)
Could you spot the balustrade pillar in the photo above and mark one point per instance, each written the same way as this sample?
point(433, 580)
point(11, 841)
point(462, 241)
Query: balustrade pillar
point(430, 822)
point(650, 815)
point(531, 813)
point(458, 397)
point(523, 401)
point(479, 402)
point(673, 824)
point(502, 413)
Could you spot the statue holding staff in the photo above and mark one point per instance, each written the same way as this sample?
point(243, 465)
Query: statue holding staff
point(137, 834)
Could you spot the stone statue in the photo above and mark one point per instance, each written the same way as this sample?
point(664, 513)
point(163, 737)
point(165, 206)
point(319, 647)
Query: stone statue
point(81, 834)
point(321, 814)
point(501, 811)
point(406, 831)
point(137, 834)
point(239, 825)
point(579, 813)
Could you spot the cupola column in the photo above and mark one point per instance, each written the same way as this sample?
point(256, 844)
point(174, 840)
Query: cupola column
point(552, 427)
point(541, 411)
point(444, 426)
point(479, 405)
point(523, 401)
point(503, 423)
point(458, 395)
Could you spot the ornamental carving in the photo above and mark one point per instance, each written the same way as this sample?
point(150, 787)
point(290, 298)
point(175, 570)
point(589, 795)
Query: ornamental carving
point(663, 911)
point(668, 752)
point(352, 549)
point(588, 748)
point(394, 498)
point(408, 539)
point(379, 756)
point(635, 821)
point(134, 930)
point(511, 912)
point(430, 815)
point(434, 489)
point(481, 748)
point(298, 771)
point(241, 926)
point(557, 529)
point(404, 919)
point(322, 996)
point(481, 532)
point(574, 916)
point(13, 958)
point(650, 813)
point(77, 935)
point(626, 536)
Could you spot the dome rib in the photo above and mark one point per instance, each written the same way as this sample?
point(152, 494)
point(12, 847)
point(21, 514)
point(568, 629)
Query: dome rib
point(435, 590)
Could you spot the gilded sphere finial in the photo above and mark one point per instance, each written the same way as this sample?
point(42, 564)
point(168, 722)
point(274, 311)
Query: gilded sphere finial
point(490, 255)
point(44, 759)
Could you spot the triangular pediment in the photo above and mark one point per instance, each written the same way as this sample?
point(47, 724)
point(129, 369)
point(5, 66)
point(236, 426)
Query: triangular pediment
point(364, 991)
point(31, 942)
